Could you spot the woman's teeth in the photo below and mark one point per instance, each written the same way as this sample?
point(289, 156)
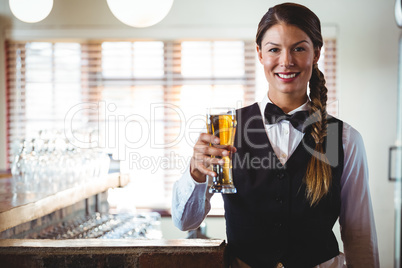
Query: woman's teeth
point(287, 76)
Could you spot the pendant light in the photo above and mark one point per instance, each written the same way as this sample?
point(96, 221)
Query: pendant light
point(31, 11)
point(140, 13)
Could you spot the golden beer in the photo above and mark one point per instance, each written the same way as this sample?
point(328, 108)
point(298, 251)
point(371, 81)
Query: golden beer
point(221, 122)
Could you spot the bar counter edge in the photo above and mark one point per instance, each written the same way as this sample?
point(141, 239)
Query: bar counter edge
point(113, 253)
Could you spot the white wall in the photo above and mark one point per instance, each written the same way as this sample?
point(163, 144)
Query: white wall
point(367, 64)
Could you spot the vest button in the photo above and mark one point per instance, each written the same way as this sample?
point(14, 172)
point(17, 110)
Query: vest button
point(279, 200)
point(281, 176)
point(278, 225)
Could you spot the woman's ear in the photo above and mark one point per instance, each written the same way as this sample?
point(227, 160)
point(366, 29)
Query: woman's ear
point(317, 54)
point(259, 52)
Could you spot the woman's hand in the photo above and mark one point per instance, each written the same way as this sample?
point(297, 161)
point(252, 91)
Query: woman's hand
point(202, 159)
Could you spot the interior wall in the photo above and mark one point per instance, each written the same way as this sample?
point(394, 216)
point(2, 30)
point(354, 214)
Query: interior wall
point(3, 23)
point(367, 39)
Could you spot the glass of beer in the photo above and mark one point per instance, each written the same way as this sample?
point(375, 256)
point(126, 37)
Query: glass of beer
point(221, 122)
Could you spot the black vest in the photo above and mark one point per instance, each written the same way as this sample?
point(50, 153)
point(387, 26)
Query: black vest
point(269, 219)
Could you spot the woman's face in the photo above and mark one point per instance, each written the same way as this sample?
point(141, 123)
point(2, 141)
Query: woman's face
point(288, 55)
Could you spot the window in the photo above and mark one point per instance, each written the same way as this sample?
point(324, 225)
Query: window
point(327, 64)
point(143, 101)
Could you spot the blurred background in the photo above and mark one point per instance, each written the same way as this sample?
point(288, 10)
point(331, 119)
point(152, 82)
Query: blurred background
point(140, 94)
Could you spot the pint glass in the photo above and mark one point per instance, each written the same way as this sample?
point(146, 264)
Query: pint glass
point(221, 122)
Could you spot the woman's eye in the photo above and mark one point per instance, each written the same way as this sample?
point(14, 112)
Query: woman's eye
point(273, 50)
point(299, 49)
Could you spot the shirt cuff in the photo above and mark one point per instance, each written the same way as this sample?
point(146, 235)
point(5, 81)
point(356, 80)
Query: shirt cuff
point(188, 203)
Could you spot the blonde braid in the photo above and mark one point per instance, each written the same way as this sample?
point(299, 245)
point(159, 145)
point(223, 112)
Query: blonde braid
point(318, 175)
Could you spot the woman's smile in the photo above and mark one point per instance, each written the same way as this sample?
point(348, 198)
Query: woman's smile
point(287, 77)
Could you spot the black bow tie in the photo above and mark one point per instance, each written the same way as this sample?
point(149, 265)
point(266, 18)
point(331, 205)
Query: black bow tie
point(273, 114)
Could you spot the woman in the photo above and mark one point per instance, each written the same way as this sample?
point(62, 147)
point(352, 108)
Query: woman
point(283, 213)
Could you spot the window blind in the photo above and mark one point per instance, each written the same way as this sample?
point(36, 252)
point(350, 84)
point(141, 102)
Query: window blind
point(43, 82)
point(144, 100)
point(327, 64)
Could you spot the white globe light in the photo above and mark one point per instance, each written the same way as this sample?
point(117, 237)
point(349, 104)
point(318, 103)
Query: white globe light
point(140, 13)
point(31, 10)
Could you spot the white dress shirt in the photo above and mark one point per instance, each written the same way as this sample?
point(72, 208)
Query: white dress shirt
point(191, 200)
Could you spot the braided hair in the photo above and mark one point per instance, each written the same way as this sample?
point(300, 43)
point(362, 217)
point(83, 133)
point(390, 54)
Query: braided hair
point(318, 175)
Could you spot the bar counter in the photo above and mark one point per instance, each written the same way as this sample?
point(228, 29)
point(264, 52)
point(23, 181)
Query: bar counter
point(21, 214)
point(112, 253)
point(17, 208)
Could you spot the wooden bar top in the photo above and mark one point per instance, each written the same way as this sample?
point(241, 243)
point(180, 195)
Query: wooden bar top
point(194, 253)
point(110, 243)
point(17, 208)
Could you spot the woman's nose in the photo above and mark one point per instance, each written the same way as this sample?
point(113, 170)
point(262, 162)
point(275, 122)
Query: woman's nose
point(286, 60)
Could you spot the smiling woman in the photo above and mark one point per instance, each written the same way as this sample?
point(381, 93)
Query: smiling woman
point(283, 213)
